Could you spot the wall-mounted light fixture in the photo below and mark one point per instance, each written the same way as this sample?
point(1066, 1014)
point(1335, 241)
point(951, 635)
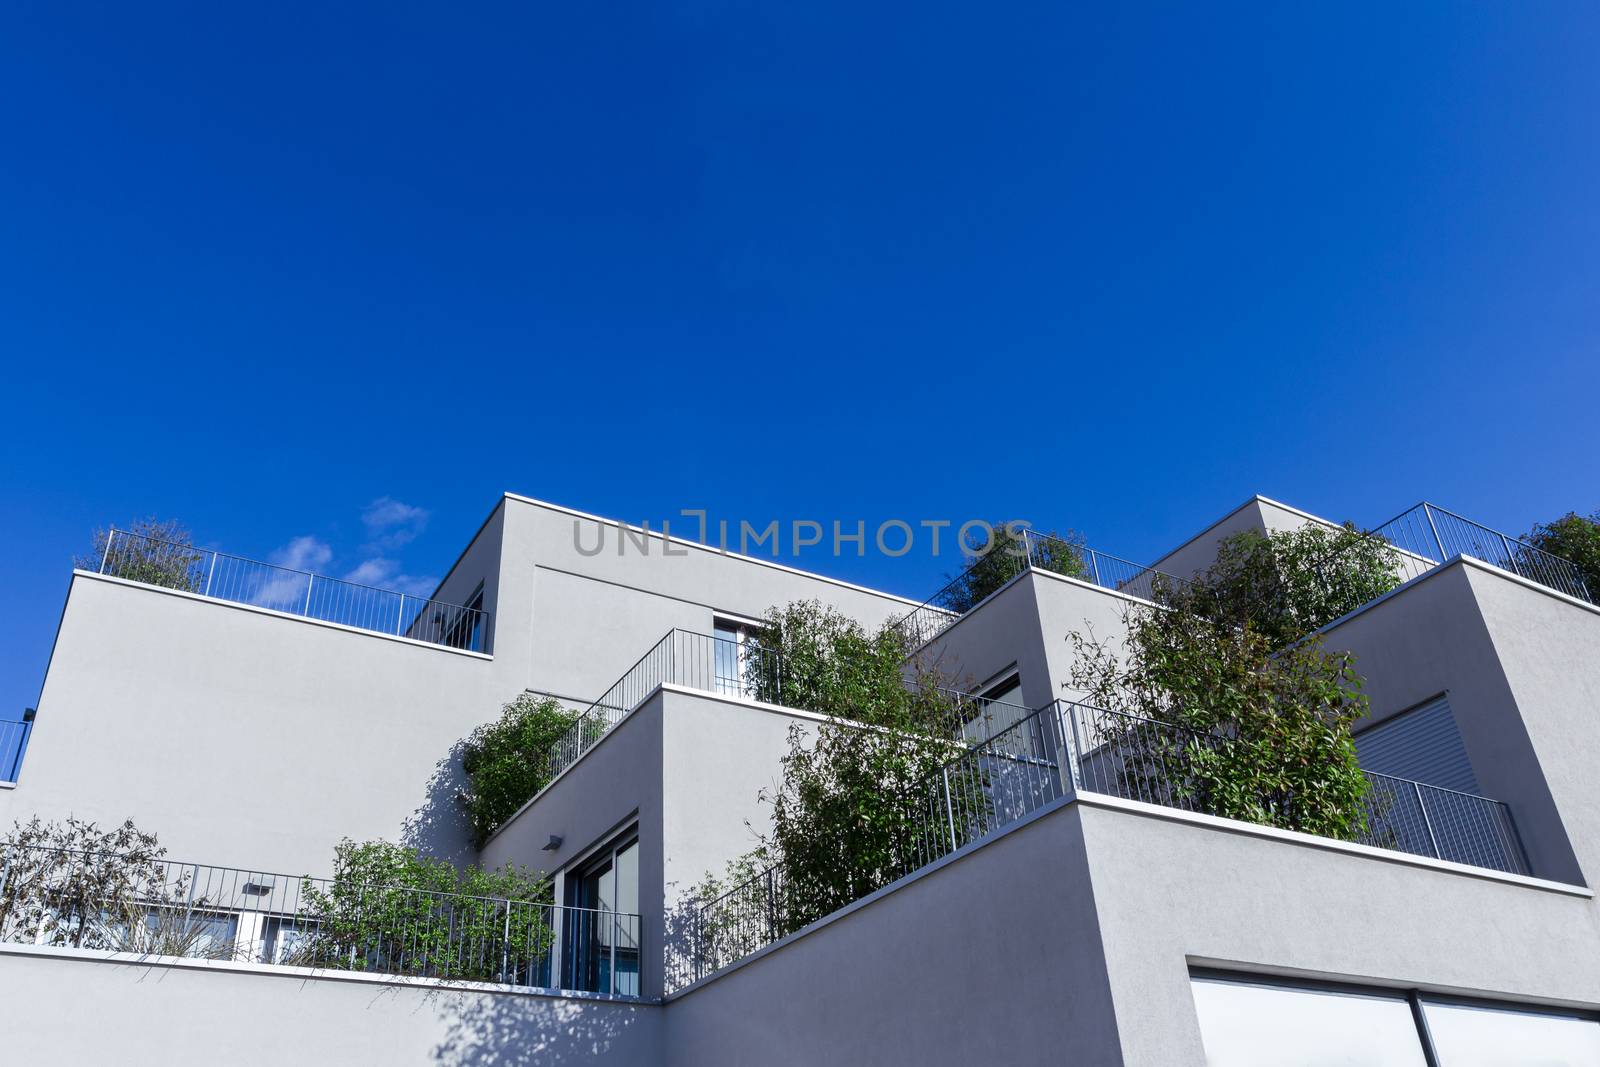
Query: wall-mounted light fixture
point(552, 844)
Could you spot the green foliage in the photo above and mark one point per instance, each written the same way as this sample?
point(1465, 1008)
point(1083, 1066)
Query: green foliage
point(1223, 717)
point(152, 551)
point(390, 909)
point(845, 818)
point(508, 761)
point(1574, 538)
point(828, 663)
point(1289, 583)
point(1010, 553)
point(71, 883)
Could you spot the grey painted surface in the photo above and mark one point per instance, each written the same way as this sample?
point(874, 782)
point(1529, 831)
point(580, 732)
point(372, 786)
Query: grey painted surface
point(690, 768)
point(1422, 744)
point(991, 959)
point(243, 739)
point(1548, 647)
point(1168, 894)
point(1258, 513)
point(251, 739)
point(1432, 637)
point(65, 1012)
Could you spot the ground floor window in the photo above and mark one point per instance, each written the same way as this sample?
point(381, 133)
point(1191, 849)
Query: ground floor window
point(1247, 1022)
point(601, 935)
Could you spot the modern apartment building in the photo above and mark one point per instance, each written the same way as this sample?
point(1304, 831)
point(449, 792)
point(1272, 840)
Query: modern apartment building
point(1059, 909)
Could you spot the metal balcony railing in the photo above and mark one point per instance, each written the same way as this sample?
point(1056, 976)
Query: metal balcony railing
point(1427, 535)
point(159, 907)
point(1062, 750)
point(314, 596)
point(737, 668)
point(1037, 550)
point(14, 735)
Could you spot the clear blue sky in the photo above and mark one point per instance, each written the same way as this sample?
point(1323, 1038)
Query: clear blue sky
point(1100, 269)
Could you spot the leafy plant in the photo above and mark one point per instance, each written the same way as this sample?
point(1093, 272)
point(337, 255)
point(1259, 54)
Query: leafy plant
point(1289, 583)
point(509, 760)
point(1012, 550)
point(845, 819)
point(390, 909)
point(829, 663)
point(151, 551)
point(1575, 538)
point(1206, 710)
point(74, 884)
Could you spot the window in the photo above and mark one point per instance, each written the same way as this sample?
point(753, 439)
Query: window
point(1248, 1022)
point(999, 708)
point(464, 629)
point(1476, 1035)
point(602, 922)
point(1247, 1025)
point(735, 655)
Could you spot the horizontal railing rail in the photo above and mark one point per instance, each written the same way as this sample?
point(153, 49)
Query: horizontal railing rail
point(1058, 751)
point(14, 734)
point(1037, 550)
point(171, 565)
point(1141, 759)
point(1427, 535)
point(738, 668)
point(160, 907)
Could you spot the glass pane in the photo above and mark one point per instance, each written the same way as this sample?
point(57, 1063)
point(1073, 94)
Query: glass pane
point(729, 677)
point(1246, 1025)
point(1469, 1036)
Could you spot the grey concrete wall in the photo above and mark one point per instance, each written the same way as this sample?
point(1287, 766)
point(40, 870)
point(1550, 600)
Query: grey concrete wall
point(1258, 513)
point(254, 739)
point(1548, 648)
point(947, 969)
point(65, 1012)
point(1169, 894)
point(243, 738)
point(690, 768)
point(592, 615)
point(1432, 637)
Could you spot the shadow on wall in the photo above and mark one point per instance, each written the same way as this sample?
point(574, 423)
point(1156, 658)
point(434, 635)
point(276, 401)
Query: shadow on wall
point(511, 1031)
point(440, 827)
point(680, 940)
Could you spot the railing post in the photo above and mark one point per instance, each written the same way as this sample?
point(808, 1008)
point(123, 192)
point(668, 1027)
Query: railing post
point(399, 616)
point(1511, 561)
point(310, 578)
point(949, 808)
point(1428, 513)
point(505, 948)
point(211, 572)
point(1427, 823)
point(105, 557)
point(1094, 564)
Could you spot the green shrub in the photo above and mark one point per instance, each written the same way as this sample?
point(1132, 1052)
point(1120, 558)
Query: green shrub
point(1009, 555)
point(508, 761)
point(151, 551)
point(1236, 711)
point(1574, 538)
point(1291, 582)
point(845, 818)
point(389, 909)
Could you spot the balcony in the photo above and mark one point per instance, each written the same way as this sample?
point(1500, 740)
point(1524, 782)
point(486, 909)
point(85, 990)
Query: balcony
point(204, 572)
point(1043, 552)
point(1427, 535)
point(1063, 751)
point(163, 908)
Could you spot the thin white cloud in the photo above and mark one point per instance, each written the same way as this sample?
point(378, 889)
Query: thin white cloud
point(280, 590)
point(391, 523)
point(385, 573)
point(302, 554)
